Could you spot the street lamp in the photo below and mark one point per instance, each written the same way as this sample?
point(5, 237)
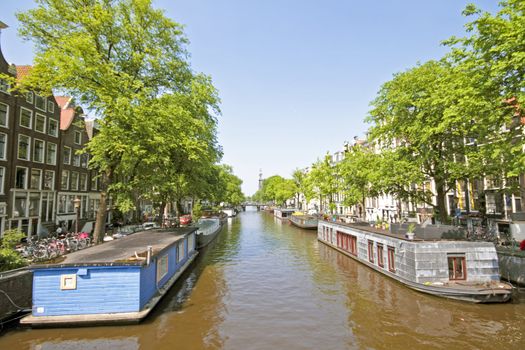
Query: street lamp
point(76, 202)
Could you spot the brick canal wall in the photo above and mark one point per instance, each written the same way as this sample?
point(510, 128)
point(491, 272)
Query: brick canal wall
point(512, 266)
point(15, 292)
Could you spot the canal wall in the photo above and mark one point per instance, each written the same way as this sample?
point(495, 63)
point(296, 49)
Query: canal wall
point(512, 265)
point(15, 292)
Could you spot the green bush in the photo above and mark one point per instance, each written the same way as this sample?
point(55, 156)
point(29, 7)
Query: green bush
point(9, 258)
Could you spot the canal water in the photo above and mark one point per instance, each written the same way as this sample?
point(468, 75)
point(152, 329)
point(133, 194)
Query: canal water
point(264, 284)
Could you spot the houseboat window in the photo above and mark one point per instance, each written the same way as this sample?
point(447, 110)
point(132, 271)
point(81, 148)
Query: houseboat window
point(371, 251)
point(181, 253)
point(162, 267)
point(391, 259)
point(380, 259)
point(456, 267)
point(353, 244)
point(68, 282)
point(191, 242)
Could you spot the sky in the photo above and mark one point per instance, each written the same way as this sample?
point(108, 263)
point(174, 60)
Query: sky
point(295, 77)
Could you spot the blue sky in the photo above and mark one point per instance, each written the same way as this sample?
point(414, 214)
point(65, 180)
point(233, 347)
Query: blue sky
point(295, 77)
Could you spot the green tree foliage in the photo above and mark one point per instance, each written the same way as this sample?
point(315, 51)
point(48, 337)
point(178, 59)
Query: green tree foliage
point(277, 189)
point(359, 172)
point(416, 122)
point(127, 62)
point(492, 55)
point(323, 181)
point(9, 258)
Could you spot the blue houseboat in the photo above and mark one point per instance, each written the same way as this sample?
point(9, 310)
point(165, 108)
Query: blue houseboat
point(116, 282)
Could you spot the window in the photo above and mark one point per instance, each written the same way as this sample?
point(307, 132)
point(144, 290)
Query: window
point(50, 106)
point(20, 204)
point(391, 259)
point(74, 181)
point(40, 123)
point(4, 86)
point(2, 174)
point(29, 97)
point(352, 244)
point(371, 251)
point(40, 103)
point(84, 158)
point(3, 146)
point(24, 147)
point(21, 178)
point(36, 179)
point(65, 180)
point(67, 155)
point(76, 160)
point(78, 137)
point(4, 114)
point(380, 259)
point(49, 180)
point(52, 127)
point(162, 267)
point(38, 151)
point(94, 182)
point(456, 267)
point(25, 117)
point(180, 252)
point(51, 153)
point(83, 182)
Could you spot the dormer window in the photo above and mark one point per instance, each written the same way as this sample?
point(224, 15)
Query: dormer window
point(29, 97)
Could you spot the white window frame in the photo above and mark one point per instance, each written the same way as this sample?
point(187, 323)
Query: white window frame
point(45, 102)
point(30, 118)
point(69, 158)
point(76, 159)
point(31, 179)
point(79, 138)
point(61, 180)
point(49, 120)
point(30, 97)
point(80, 182)
point(50, 107)
point(45, 122)
point(54, 162)
point(7, 86)
point(75, 187)
point(52, 181)
point(43, 151)
point(28, 150)
point(27, 178)
point(5, 146)
point(2, 179)
point(6, 125)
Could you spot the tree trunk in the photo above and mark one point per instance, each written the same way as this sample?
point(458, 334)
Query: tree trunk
point(441, 205)
point(363, 210)
point(100, 223)
point(161, 212)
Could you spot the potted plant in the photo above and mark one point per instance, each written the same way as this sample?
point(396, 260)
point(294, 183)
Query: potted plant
point(410, 231)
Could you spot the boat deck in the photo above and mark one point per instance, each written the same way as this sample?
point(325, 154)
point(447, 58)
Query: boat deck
point(121, 250)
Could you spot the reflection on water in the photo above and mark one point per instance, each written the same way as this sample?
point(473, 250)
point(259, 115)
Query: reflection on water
point(265, 284)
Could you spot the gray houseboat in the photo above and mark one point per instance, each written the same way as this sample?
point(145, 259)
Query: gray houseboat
point(208, 229)
point(283, 213)
point(461, 270)
point(308, 222)
point(116, 282)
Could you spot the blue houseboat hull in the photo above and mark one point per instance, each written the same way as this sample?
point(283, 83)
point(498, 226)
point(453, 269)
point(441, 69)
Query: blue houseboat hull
point(114, 283)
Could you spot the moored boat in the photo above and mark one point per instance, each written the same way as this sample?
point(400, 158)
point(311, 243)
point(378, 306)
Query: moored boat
point(208, 228)
point(283, 213)
point(116, 282)
point(308, 222)
point(460, 270)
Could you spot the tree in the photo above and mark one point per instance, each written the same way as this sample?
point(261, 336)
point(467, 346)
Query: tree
point(323, 181)
point(359, 173)
point(416, 120)
point(277, 189)
point(117, 57)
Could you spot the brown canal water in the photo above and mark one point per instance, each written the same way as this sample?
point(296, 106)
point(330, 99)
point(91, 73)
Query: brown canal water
point(264, 284)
